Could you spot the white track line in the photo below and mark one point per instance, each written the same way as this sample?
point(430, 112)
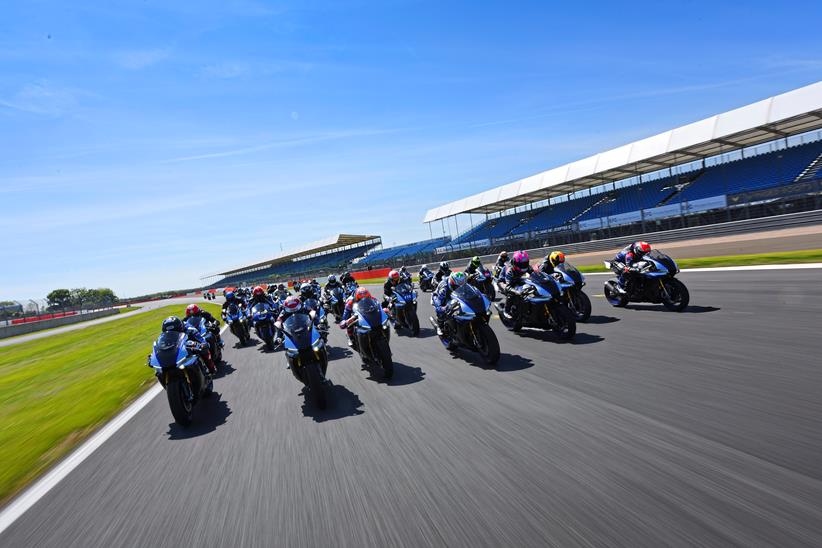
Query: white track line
point(800, 266)
point(30, 496)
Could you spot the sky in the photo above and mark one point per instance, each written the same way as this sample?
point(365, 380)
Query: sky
point(144, 144)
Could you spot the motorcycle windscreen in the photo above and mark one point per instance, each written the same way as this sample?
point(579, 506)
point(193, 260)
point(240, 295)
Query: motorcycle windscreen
point(233, 310)
point(298, 328)
point(196, 323)
point(370, 311)
point(663, 259)
point(168, 347)
point(571, 271)
point(404, 289)
point(260, 309)
point(472, 297)
point(545, 282)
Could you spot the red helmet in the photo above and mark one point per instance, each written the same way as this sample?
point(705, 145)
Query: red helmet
point(192, 310)
point(394, 276)
point(293, 304)
point(258, 291)
point(642, 247)
point(362, 293)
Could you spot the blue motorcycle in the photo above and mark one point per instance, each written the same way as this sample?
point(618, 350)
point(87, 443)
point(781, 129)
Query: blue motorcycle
point(263, 318)
point(538, 303)
point(404, 308)
point(209, 334)
point(335, 302)
point(307, 355)
point(571, 281)
point(237, 323)
point(466, 324)
point(650, 280)
point(370, 333)
point(181, 371)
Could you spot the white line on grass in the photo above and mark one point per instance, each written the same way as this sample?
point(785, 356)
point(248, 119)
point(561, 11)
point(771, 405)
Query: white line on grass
point(30, 496)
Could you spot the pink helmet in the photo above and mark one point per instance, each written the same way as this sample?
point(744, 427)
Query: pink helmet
point(520, 260)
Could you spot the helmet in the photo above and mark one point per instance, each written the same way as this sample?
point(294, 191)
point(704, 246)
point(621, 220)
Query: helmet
point(445, 266)
point(307, 291)
point(424, 267)
point(503, 255)
point(258, 291)
point(556, 257)
point(641, 248)
point(280, 286)
point(457, 279)
point(346, 274)
point(192, 310)
point(332, 279)
point(293, 304)
point(173, 323)
point(475, 260)
point(229, 296)
point(361, 293)
point(313, 281)
point(403, 269)
point(520, 260)
point(394, 276)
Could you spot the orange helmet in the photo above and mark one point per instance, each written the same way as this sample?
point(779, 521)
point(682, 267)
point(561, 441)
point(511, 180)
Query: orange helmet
point(362, 293)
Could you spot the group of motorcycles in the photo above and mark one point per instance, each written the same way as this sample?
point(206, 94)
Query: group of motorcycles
point(552, 301)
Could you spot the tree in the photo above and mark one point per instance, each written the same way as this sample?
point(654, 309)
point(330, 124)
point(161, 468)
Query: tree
point(59, 298)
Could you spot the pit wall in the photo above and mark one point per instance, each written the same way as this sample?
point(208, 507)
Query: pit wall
point(31, 327)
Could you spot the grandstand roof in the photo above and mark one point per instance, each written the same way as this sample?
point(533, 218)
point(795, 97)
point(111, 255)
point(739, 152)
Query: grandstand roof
point(783, 115)
point(328, 244)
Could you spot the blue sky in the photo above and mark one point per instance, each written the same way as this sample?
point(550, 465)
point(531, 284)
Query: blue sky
point(147, 143)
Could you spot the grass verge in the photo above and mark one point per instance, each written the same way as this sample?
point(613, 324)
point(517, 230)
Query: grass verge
point(56, 391)
point(781, 257)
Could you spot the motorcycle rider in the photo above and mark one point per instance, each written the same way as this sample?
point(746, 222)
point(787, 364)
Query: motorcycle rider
point(347, 322)
point(624, 260)
point(512, 278)
point(231, 298)
point(175, 324)
point(405, 276)
point(473, 265)
point(258, 296)
point(424, 271)
point(499, 266)
point(331, 284)
point(551, 261)
point(442, 295)
point(391, 282)
point(281, 293)
point(443, 272)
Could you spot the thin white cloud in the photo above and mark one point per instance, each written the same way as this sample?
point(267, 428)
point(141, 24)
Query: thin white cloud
point(41, 98)
point(140, 59)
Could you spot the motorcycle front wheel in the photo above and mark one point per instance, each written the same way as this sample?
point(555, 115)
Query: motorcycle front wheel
point(582, 305)
point(487, 343)
point(181, 407)
point(316, 389)
point(677, 297)
point(382, 353)
point(565, 325)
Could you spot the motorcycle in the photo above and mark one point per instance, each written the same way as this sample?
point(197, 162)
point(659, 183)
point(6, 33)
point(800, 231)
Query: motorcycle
point(571, 281)
point(335, 302)
point(404, 308)
point(209, 334)
point(427, 281)
point(539, 304)
point(481, 279)
point(653, 281)
point(350, 288)
point(321, 320)
point(466, 324)
point(307, 355)
point(237, 323)
point(262, 318)
point(371, 335)
point(181, 372)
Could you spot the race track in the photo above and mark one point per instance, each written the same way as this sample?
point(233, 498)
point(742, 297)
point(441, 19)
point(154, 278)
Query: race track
point(651, 429)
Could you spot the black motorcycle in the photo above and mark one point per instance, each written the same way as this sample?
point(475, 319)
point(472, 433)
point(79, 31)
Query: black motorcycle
point(181, 372)
point(538, 303)
point(650, 280)
point(307, 355)
point(370, 337)
point(238, 323)
point(335, 302)
point(427, 282)
point(466, 324)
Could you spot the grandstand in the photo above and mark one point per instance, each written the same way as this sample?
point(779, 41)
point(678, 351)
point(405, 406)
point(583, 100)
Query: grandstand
point(406, 252)
point(330, 255)
point(762, 159)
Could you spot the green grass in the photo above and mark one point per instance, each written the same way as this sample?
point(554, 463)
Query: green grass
point(118, 311)
point(781, 257)
point(55, 391)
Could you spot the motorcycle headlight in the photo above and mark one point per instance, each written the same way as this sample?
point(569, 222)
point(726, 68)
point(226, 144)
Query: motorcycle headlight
point(386, 324)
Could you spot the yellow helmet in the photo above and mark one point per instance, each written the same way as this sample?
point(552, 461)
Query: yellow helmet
point(556, 258)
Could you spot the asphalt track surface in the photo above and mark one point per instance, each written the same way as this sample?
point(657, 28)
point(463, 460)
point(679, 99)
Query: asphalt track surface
point(652, 429)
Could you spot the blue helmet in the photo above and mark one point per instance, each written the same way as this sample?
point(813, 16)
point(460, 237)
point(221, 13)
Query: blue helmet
point(229, 296)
